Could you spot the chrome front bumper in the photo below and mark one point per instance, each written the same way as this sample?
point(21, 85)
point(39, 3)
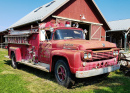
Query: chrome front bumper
point(94, 72)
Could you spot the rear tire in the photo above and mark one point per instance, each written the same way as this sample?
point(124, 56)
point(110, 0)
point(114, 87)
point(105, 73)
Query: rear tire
point(14, 63)
point(63, 75)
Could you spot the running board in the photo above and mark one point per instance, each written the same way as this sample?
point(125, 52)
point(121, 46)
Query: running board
point(37, 66)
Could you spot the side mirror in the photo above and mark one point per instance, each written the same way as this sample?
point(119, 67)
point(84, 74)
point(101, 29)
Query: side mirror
point(51, 29)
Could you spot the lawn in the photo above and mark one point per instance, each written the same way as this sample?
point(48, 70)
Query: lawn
point(30, 80)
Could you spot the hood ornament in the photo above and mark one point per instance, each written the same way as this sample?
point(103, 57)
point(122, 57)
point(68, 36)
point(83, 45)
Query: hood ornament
point(103, 44)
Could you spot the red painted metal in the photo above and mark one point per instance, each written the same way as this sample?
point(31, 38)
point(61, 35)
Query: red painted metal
point(17, 52)
point(61, 73)
point(46, 50)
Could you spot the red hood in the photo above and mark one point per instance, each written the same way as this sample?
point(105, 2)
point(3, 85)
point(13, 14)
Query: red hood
point(85, 44)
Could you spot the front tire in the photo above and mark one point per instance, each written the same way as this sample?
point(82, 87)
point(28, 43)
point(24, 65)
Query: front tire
point(63, 75)
point(105, 75)
point(14, 63)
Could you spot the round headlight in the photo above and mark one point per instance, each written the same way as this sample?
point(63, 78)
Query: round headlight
point(89, 55)
point(114, 52)
point(85, 56)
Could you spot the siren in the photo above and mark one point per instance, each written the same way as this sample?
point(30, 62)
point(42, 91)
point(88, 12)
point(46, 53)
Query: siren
point(67, 24)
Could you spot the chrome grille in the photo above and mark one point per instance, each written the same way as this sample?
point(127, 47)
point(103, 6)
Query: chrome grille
point(102, 55)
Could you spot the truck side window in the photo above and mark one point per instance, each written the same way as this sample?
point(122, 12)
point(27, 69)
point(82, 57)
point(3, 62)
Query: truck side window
point(48, 35)
point(42, 35)
point(56, 36)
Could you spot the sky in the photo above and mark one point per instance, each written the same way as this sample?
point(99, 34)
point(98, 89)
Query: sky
point(13, 10)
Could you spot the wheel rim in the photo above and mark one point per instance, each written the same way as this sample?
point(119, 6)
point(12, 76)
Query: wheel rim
point(61, 72)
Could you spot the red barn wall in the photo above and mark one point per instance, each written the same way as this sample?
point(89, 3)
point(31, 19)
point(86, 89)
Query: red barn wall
point(75, 8)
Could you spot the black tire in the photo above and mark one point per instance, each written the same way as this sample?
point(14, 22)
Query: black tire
point(14, 63)
point(127, 72)
point(65, 77)
point(105, 75)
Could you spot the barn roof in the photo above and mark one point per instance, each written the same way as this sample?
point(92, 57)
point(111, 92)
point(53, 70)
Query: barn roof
point(3, 31)
point(120, 24)
point(42, 12)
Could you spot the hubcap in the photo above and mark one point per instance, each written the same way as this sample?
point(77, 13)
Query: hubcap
point(61, 72)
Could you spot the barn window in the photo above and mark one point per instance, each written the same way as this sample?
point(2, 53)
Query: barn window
point(38, 9)
point(50, 3)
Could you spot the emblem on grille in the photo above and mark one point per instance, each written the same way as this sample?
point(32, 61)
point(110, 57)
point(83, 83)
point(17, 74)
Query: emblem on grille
point(103, 44)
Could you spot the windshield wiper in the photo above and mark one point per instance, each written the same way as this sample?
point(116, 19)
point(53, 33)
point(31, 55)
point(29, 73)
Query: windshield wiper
point(77, 38)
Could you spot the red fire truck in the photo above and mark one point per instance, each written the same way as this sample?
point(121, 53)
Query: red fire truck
point(64, 51)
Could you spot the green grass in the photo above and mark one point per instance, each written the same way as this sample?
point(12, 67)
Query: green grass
point(30, 80)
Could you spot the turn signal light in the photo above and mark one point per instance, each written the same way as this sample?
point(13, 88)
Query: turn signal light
point(106, 64)
point(98, 65)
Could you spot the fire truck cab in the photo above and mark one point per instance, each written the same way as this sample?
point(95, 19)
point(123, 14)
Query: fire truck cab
point(64, 51)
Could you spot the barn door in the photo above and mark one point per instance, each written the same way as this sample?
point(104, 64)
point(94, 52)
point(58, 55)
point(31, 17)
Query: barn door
point(96, 32)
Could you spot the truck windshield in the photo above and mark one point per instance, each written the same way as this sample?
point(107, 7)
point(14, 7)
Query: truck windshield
point(68, 34)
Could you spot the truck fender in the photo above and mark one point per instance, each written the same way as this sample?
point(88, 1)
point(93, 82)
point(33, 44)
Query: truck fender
point(60, 53)
point(17, 52)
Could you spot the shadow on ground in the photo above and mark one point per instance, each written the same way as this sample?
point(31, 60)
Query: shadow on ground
point(31, 70)
point(78, 82)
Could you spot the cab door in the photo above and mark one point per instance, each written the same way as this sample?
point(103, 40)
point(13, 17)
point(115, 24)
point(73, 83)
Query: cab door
point(45, 51)
point(45, 47)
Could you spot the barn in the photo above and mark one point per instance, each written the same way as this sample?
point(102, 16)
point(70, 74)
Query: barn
point(119, 33)
point(85, 13)
point(2, 39)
